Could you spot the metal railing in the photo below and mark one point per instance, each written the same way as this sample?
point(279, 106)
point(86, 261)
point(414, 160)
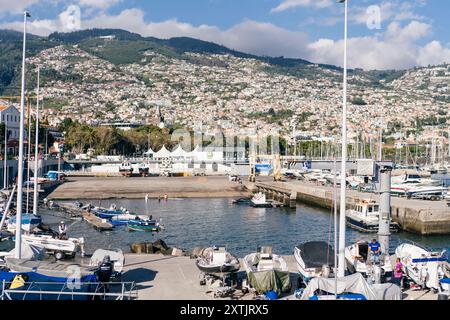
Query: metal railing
point(100, 290)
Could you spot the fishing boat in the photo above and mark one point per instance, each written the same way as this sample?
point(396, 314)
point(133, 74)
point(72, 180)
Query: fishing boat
point(314, 259)
point(29, 222)
point(422, 265)
point(259, 201)
point(364, 216)
point(126, 169)
point(358, 260)
point(144, 225)
point(267, 271)
point(217, 260)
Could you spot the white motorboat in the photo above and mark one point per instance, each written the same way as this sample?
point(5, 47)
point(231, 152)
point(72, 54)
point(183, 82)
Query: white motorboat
point(364, 216)
point(427, 193)
point(217, 260)
point(314, 259)
point(259, 201)
point(423, 266)
point(262, 267)
point(59, 247)
point(358, 260)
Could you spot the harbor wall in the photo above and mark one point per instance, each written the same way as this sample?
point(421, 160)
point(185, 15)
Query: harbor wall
point(416, 216)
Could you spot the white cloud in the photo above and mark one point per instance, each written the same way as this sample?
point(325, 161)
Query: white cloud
point(15, 6)
point(100, 4)
point(291, 4)
point(395, 49)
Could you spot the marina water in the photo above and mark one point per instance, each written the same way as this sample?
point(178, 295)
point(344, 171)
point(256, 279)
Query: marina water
point(205, 222)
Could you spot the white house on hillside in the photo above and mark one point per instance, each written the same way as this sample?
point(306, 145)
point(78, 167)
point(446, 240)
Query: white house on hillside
point(10, 116)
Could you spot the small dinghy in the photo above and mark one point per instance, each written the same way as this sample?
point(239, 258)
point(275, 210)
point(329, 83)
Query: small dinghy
point(314, 259)
point(123, 219)
point(267, 271)
point(241, 201)
point(217, 260)
point(139, 225)
point(108, 213)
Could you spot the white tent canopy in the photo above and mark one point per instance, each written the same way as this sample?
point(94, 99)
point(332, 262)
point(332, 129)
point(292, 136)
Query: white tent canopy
point(179, 152)
point(163, 153)
point(150, 152)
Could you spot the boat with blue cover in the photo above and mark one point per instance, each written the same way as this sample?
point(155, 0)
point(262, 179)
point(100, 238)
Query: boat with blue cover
point(29, 222)
point(56, 288)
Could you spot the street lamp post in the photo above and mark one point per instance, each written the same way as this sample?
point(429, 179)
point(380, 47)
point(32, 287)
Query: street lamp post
point(341, 260)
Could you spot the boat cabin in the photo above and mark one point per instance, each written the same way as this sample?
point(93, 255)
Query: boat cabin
point(367, 208)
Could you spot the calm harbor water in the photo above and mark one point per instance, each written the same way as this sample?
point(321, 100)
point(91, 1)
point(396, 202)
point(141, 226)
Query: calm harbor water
point(204, 222)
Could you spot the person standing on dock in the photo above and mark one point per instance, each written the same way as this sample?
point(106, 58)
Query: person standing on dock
point(398, 272)
point(375, 251)
point(62, 230)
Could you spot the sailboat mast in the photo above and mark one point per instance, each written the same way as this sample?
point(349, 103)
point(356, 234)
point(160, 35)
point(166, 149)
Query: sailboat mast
point(5, 156)
point(18, 247)
point(341, 260)
point(36, 149)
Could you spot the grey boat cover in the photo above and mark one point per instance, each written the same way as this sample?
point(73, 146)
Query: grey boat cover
point(28, 251)
point(116, 256)
point(316, 254)
point(264, 281)
point(355, 284)
point(48, 268)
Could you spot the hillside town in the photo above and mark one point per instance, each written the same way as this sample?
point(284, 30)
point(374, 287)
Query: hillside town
point(233, 93)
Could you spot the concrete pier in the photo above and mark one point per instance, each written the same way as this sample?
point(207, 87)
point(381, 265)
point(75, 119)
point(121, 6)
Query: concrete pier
point(416, 216)
point(137, 188)
point(161, 277)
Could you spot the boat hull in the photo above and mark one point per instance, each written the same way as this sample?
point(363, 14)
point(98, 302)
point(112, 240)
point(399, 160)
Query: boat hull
point(226, 268)
point(368, 227)
point(143, 226)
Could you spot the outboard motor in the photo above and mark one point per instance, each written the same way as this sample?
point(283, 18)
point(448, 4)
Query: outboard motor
point(377, 274)
point(105, 270)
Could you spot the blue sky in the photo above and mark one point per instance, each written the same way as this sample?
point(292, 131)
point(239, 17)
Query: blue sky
point(408, 33)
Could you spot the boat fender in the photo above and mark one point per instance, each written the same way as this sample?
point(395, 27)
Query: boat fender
point(18, 282)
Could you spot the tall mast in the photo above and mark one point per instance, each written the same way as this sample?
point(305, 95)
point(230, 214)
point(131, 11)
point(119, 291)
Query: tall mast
point(18, 248)
point(341, 260)
point(5, 160)
point(36, 149)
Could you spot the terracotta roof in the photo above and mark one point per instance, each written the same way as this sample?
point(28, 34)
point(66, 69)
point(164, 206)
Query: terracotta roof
point(2, 107)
